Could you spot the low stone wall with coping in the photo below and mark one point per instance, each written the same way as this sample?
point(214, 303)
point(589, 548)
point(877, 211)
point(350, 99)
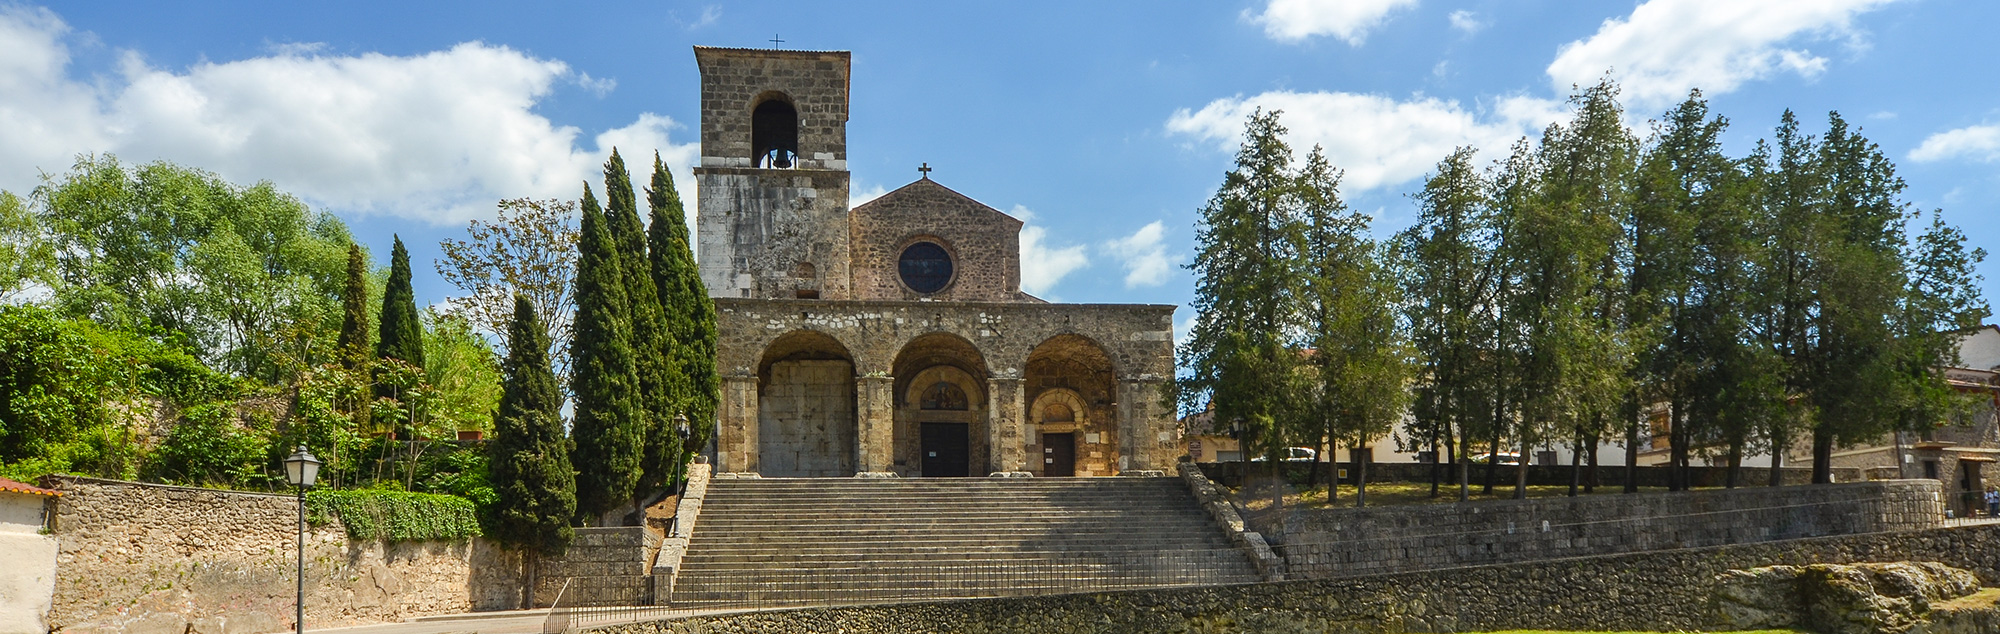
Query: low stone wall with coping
point(157, 559)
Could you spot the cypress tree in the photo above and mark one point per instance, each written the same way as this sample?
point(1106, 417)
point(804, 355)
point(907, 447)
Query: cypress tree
point(399, 335)
point(353, 346)
point(654, 359)
point(606, 428)
point(689, 312)
point(529, 461)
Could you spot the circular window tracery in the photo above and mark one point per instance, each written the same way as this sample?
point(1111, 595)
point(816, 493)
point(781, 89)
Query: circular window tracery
point(925, 267)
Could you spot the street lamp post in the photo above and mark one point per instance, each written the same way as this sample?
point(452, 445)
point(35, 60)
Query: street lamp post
point(302, 469)
point(682, 430)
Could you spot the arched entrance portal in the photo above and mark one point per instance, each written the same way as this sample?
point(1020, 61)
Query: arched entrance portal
point(805, 407)
point(1073, 409)
point(941, 409)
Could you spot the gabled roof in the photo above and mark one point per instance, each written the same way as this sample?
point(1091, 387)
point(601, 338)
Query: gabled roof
point(16, 487)
point(924, 187)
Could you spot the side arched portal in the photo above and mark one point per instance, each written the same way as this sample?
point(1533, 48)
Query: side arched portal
point(1072, 414)
point(941, 426)
point(805, 407)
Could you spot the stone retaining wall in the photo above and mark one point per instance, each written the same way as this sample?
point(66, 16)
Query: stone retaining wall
point(161, 559)
point(1232, 474)
point(1657, 591)
point(1343, 542)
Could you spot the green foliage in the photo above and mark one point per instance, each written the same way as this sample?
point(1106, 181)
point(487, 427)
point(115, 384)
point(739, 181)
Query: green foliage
point(208, 448)
point(685, 304)
point(74, 395)
point(26, 256)
point(372, 514)
point(353, 344)
point(399, 339)
point(528, 461)
point(1447, 266)
point(529, 248)
point(169, 249)
point(462, 373)
point(606, 428)
point(656, 351)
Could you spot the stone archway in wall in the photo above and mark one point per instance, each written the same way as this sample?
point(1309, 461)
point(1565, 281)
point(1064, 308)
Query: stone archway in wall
point(942, 409)
point(1071, 388)
point(805, 407)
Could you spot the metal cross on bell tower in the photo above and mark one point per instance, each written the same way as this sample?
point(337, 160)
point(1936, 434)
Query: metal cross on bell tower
point(925, 169)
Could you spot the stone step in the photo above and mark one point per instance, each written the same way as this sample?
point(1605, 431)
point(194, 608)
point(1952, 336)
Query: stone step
point(1156, 523)
point(930, 567)
point(942, 551)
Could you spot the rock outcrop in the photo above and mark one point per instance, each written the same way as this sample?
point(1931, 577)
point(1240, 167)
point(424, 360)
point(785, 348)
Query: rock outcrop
point(1873, 598)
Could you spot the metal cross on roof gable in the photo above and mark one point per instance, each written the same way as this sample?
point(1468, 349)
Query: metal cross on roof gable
point(775, 41)
point(925, 169)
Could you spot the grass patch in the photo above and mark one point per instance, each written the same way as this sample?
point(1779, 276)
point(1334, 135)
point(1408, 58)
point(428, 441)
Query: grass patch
point(1602, 632)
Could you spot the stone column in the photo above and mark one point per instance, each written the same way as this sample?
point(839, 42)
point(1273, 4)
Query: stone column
point(1145, 426)
point(736, 426)
point(875, 413)
point(1006, 424)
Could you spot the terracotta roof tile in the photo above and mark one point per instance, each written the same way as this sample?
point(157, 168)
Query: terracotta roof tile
point(16, 487)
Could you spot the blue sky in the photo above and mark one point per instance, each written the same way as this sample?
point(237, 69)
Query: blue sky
point(1106, 125)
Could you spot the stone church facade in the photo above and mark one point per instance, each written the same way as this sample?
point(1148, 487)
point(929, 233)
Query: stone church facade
point(894, 338)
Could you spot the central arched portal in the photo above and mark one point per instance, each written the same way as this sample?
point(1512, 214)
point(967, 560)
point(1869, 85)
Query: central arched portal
point(805, 408)
point(941, 409)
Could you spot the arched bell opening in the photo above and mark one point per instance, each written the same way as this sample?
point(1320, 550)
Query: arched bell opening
point(774, 132)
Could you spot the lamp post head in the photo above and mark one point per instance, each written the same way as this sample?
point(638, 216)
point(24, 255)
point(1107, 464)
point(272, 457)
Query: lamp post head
point(302, 469)
point(681, 427)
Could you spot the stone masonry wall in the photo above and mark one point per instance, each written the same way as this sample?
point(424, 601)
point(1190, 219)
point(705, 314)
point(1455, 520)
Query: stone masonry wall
point(1657, 591)
point(170, 560)
point(734, 79)
point(1324, 543)
point(984, 244)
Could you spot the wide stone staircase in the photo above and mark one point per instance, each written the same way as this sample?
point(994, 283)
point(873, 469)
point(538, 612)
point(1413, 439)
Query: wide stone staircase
point(831, 541)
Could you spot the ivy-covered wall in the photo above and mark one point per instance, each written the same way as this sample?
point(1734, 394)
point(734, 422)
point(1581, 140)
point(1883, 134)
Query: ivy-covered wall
point(139, 557)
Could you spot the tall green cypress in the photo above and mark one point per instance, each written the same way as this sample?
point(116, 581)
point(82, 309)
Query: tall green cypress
point(684, 301)
point(653, 345)
point(399, 336)
point(528, 458)
point(606, 429)
point(353, 344)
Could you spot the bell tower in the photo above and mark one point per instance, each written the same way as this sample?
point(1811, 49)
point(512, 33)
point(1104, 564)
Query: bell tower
point(771, 216)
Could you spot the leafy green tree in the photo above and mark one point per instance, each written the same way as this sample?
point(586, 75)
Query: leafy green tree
point(27, 259)
point(1448, 271)
point(606, 428)
point(1361, 356)
point(655, 358)
point(461, 370)
point(529, 457)
point(400, 334)
point(1238, 354)
point(354, 340)
point(686, 306)
point(1790, 226)
point(529, 248)
point(1942, 304)
point(167, 248)
point(1566, 246)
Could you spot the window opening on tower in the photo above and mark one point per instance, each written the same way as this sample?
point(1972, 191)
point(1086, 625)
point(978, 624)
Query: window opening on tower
point(774, 134)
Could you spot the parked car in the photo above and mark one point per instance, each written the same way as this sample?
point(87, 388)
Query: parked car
point(1295, 454)
point(1506, 457)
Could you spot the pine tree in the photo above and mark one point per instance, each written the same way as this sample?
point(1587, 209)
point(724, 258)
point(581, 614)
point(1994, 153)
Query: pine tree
point(1448, 276)
point(400, 336)
point(684, 300)
point(654, 347)
point(353, 342)
point(1238, 354)
point(528, 457)
point(606, 430)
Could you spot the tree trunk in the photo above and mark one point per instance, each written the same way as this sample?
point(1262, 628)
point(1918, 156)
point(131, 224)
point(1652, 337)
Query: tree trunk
point(1576, 464)
point(1822, 465)
point(1902, 465)
point(1333, 467)
point(1463, 465)
point(1521, 471)
point(530, 567)
point(1590, 479)
point(1361, 477)
point(1632, 446)
point(1677, 442)
point(1779, 444)
point(1435, 463)
point(1735, 463)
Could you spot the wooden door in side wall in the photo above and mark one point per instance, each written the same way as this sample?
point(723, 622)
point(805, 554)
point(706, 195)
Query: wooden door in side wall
point(1058, 455)
point(947, 449)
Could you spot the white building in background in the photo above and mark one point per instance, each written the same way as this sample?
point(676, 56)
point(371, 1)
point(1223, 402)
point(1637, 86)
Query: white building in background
point(28, 577)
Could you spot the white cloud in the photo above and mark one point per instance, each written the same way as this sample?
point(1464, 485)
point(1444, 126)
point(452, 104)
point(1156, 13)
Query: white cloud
point(437, 136)
point(1349, 20)
point(1144, 255)
point(856, 197)
point(1042, 264)
point(1979, 142)
point(1666, 47)
point(1466, 21)
point(1379, 141)
point(709, 15)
